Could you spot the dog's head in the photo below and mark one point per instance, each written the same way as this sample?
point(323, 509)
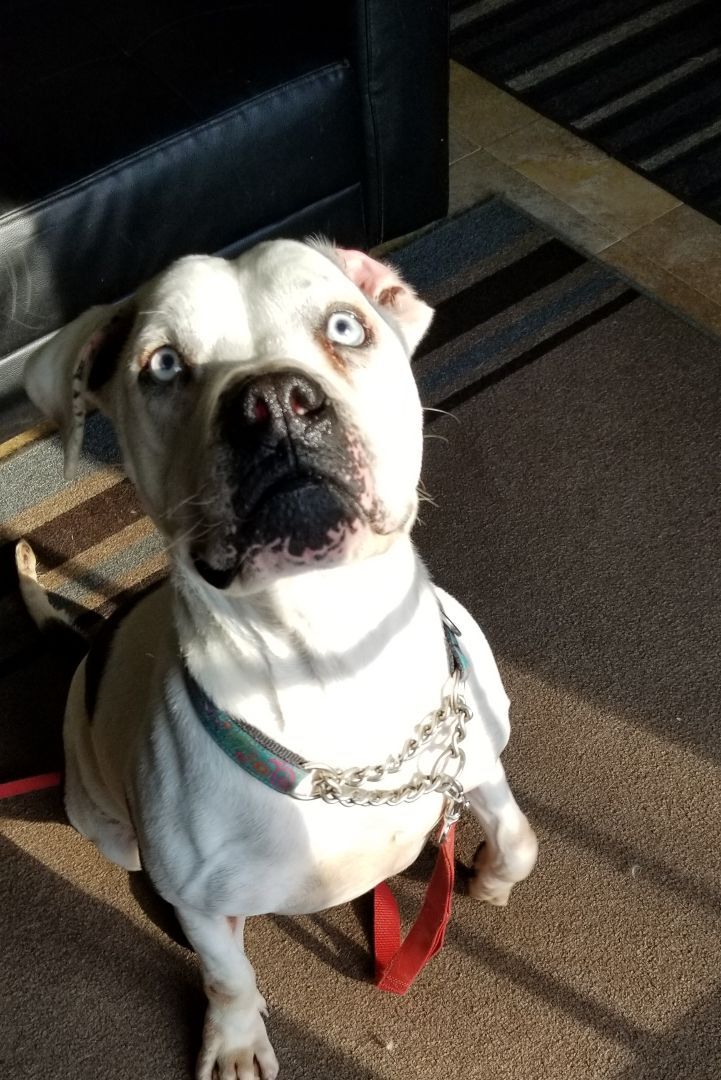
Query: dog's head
point(265, 406)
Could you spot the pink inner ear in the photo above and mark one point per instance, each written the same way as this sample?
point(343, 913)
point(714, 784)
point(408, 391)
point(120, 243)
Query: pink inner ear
point(368, 274)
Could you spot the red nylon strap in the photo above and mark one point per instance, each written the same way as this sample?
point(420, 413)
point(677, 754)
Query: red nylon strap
point(397, 964)
point(30, 783)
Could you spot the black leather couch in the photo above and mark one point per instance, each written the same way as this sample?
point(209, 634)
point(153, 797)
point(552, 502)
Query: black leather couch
point(135, 131)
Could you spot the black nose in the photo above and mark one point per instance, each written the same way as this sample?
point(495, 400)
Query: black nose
point(272, 406)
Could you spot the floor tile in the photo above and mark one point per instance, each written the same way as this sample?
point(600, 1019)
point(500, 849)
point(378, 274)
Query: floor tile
point(481, 112)
point(663, 285)
point(686, 243)
point(459, 146)
point(500, 147)
point(480, 175)
point(599, 188)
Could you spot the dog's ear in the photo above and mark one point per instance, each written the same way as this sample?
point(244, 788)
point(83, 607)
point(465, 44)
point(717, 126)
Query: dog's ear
point(381, 284)
point(66, 374)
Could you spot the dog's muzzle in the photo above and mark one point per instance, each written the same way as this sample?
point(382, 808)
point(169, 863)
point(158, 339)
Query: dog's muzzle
point(286, 474)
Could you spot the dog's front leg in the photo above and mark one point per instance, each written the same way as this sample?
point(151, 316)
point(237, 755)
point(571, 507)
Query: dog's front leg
point(235, 1043)
point(509, 852)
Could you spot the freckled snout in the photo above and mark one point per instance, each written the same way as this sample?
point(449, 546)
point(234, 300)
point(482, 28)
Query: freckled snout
point(287, 476)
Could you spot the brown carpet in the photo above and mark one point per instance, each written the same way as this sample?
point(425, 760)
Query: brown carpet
point(579, 519)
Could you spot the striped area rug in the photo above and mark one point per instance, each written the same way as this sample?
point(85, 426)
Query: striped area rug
point(640, 79)
point(505, 293)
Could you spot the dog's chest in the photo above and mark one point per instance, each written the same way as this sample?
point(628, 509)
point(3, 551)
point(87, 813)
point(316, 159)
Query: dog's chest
point(219, 839)
point(231, 843)
point(213, 837)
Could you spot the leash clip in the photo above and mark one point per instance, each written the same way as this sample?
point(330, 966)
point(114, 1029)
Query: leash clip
point(455, 804)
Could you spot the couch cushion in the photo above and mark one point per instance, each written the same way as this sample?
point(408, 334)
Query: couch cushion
point(101, 186)
point(87, 83)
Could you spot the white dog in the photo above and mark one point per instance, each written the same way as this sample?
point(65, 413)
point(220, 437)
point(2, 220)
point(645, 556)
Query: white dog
point(267, 414)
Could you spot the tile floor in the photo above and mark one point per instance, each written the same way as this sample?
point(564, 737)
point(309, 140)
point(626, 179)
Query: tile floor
point(500, 146)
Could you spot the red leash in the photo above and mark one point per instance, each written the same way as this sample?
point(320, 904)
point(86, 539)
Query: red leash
point(30, 783)
point(398, 963)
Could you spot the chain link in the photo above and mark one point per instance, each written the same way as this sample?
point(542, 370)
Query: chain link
point(347, 786)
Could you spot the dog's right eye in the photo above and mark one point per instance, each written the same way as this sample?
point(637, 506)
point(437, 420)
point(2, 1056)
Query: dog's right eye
point(165, 364)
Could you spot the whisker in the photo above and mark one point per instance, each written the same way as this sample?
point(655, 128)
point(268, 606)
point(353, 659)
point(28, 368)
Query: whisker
point(191, 500)
point(441, 412)
point(424, 494)
point(193, 533)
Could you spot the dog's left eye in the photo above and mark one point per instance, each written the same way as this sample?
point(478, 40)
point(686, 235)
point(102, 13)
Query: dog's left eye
point(345, 328)
point(165, 364)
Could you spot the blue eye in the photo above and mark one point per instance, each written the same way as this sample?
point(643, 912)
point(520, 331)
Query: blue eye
point(165, 364)
point(345, 328)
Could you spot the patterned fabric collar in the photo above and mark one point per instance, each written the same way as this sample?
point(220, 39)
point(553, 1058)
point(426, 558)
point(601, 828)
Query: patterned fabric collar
point(265, 759)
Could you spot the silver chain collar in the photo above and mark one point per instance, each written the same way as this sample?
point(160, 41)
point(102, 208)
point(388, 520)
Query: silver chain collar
point(348, 786)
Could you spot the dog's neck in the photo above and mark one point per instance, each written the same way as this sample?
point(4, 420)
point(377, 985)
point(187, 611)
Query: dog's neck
point(323, 618)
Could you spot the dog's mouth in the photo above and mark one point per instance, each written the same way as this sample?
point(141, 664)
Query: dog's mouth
point(298, 521)
point(296, 492)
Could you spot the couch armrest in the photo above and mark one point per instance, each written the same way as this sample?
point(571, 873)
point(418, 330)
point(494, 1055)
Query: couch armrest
point(402, 63)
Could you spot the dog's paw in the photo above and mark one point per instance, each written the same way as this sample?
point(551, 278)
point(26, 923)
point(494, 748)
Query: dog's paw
point(485, 883)
point(497, 869)
point(493, 892)
point(236, 1051)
